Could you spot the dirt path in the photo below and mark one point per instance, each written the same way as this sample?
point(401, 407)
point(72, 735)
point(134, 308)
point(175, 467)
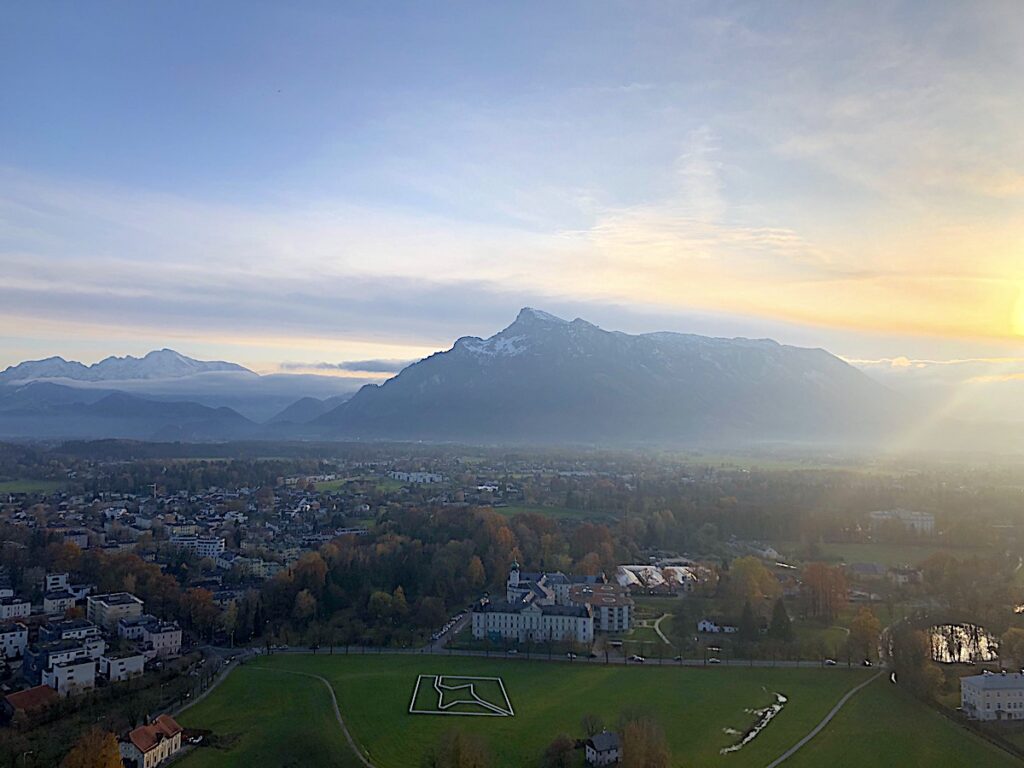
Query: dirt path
point(657, 628)
point(828, 718)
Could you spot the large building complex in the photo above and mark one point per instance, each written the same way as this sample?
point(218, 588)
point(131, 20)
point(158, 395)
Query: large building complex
point(993, 697)
point(107, 610)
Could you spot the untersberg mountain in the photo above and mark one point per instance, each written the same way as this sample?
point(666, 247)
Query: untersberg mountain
point(542, 379)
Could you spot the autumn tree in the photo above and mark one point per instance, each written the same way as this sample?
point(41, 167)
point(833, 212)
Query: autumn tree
point(457, 749)
point(825, 589)
point(864, 631)
point(95, 749)
point(750, 582)
point(643, 744)
point(591, 724)
point(559, 752)
point(475, 573)
point(1011, 646)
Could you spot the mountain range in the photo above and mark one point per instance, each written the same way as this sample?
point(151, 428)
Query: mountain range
point(541, 379)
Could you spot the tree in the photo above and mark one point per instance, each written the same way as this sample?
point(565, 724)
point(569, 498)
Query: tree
point(750, 582)
point(825, 587)
point(95, 749)
point(1011, 646)
point(748, 624)
point(475, 573)
point(305, 606)
point(456, 749)
point(591, 724)
point(864, 631)
point(559, 752)
point(643, 745)
point(781, 628)
point(911, 656)
point(229, 620)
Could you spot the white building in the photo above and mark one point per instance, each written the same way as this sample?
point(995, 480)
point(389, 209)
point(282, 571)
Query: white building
point(14, 608)
point(54, 582)
point(58, 602)
point(993, 697)
point(544, 588)
point(603, 749)
point(610, 605)
point(533, 621)
point(107, 610)
point(918, 522)
point(70, 677)
point(161, 638)
point(201, 546)
point(13, 640)
point(416, 477)
point(120, 667)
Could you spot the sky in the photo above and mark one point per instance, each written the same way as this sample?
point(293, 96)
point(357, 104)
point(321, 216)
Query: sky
point(299, 186)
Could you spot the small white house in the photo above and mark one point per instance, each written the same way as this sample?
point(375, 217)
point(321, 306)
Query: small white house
point(120, 667)
point(603, 748)
point(13, 640)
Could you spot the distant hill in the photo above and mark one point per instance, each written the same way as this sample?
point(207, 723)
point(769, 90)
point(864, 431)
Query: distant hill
point(307, 409)
point(159, 364)
point(44, 410)
point(547, 379)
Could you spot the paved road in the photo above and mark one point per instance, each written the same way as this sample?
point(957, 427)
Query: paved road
point(539, 654)
point(827, 719)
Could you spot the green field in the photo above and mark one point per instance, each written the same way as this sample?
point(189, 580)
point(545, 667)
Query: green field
point(884, 554)
point(28, 486)
point(882, 725)
point(262, 712)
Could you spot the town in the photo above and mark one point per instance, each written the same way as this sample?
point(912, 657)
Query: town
point(129, 586)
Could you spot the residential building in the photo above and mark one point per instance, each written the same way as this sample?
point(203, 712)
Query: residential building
point(58, 602)
point(200, 546)
point(993, 696)
point(610, 604)
point(118, 667)
point(603, 749)
point(669, 579)
point(68, 678)
point(14, 608)
point(13, 640)
point(44, 656)
point(149, 745)
point(68, 629)
point(28, 702)
point(54, 582)
point(107, 610)
point(533, 621)
point(161, 638)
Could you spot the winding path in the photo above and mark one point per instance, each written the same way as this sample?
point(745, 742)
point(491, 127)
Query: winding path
point(334, 703)
point(827, 719)
point(657, 628)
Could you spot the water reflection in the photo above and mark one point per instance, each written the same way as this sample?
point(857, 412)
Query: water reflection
point(962, 643)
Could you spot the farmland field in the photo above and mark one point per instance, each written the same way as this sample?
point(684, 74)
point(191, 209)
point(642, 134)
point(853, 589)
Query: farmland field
point(261, 706)
point(28, 486)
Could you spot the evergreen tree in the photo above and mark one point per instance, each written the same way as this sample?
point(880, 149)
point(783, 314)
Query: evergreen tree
point(781, 628)
point(748, 624)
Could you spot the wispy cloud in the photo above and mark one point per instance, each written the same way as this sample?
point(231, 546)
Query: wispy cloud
point(360, 366)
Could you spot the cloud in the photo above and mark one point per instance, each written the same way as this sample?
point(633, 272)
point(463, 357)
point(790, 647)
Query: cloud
point(361, 366)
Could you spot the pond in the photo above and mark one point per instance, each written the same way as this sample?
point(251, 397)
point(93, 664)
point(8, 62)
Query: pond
point(962, 643)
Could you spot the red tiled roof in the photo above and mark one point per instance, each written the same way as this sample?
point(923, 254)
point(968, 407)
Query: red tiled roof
point(32, 698)
point(145, 737)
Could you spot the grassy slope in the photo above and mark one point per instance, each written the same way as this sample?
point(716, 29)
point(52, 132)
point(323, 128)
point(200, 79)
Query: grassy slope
point(271, 719)
point(882, 725)
point(694, 706)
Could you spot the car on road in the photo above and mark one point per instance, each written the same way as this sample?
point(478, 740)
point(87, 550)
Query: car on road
point(511, 651)
point(570, 655)
point(637, 658)
point(678, 658)
point(830, 662)
point(714, 661)
point(866, 663)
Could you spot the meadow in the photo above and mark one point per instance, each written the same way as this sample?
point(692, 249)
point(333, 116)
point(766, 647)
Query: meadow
point(266, 716)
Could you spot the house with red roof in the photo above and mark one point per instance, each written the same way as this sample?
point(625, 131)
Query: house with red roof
point(150, 745)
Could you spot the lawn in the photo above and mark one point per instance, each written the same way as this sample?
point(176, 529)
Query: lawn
point(258, 717)
point(884, 554)
point(28, 486)
point(693, 705)
point(882, 725)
